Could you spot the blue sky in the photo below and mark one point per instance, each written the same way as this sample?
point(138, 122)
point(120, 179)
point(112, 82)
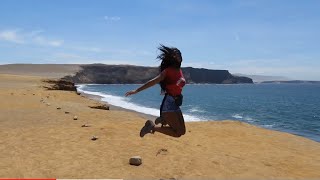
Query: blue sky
point(264, 37)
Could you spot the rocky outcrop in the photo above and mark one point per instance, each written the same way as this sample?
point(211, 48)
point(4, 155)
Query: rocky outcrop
point(113, 74)
point(196, 75)
point(126, 74)
point(103, 107)
point(60, 84)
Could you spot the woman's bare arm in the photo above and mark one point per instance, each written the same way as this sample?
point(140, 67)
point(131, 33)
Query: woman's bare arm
point(148, 84)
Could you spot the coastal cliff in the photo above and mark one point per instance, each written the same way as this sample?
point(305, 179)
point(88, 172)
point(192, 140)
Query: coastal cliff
point(127, 74)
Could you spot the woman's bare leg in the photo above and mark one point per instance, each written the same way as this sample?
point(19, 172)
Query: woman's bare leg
point(176, 124)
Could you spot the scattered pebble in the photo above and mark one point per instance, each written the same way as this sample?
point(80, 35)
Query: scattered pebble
point(66, 112)
point(75, 118)
point(85, 125)
point(94, 138)
point(135, 160)
point(33, 94)
point(58, 107)
point(162, 152)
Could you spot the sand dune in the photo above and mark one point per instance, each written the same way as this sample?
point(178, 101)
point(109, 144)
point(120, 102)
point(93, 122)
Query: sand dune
point(43, 70)
point(40, 141)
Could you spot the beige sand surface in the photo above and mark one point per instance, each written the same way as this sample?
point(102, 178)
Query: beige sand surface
point(40, 141)
point(43, 70)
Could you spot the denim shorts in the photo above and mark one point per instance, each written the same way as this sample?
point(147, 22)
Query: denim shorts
point(169, 105)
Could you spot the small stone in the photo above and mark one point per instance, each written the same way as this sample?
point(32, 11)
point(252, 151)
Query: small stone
point(58, 107)
point(103, 107)
point(33, 94)
point(48, 104)
point(75, 118)
point(94, 138)
point(135, 160)
point(78, 93)
point(162, 152)
point(85, 125)
point(66, 112)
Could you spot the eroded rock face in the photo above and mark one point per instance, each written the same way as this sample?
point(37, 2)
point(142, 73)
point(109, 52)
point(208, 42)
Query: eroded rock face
point(60, 84)
point(126, 74)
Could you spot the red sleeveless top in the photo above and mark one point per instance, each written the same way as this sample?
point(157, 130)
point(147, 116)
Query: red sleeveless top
point(174, 81)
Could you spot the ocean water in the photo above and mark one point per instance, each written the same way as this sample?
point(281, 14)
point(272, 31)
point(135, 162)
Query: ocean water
point(293, 108)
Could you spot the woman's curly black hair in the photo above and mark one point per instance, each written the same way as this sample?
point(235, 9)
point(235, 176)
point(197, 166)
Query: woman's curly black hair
point(168, 57)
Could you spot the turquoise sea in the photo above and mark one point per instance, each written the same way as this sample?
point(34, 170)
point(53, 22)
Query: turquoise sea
point(293, 108)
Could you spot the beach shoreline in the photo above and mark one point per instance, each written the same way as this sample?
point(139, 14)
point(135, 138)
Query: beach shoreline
point(40, 140)
point(152, 117)
point(114, 107)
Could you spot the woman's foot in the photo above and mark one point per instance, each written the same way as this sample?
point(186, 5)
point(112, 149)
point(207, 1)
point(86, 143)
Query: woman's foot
point(147, 128)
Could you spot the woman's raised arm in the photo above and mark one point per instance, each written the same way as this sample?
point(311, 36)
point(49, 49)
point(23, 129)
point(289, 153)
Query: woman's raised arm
point(148, 84)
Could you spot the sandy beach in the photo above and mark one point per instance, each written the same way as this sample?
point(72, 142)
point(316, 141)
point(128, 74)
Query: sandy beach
point(40, 141)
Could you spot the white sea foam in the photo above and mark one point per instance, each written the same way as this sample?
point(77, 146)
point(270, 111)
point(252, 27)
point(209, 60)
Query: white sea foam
point(196, 109)
point(124, 102)
point(268, 125)
point(244, 118)
point(249, 119)
point(237, 116)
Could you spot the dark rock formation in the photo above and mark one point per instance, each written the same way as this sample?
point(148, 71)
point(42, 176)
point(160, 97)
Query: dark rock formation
point(61, 84)
point(196, 75)
point(103, 107)
point(125, 74)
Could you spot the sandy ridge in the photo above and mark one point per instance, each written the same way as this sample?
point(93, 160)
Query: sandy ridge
point(39, 141)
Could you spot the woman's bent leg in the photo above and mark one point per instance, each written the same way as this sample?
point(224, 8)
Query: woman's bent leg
point(176, 124)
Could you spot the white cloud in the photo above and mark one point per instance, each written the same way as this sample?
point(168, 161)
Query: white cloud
point(35, 32)
point(11, 36)
point(64, 56)
point(69, 58)
point(33, 37)
point(89, 49)
point(46, 42)
point(112, 18)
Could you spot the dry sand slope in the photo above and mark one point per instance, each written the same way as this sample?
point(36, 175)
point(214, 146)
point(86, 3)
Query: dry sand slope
point(37, 140)
point(43, 70)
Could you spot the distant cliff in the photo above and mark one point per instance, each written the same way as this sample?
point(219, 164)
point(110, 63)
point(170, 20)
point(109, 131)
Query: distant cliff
point(127, 74)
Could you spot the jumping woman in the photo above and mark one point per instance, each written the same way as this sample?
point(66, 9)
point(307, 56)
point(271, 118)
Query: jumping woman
point(171, 81)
